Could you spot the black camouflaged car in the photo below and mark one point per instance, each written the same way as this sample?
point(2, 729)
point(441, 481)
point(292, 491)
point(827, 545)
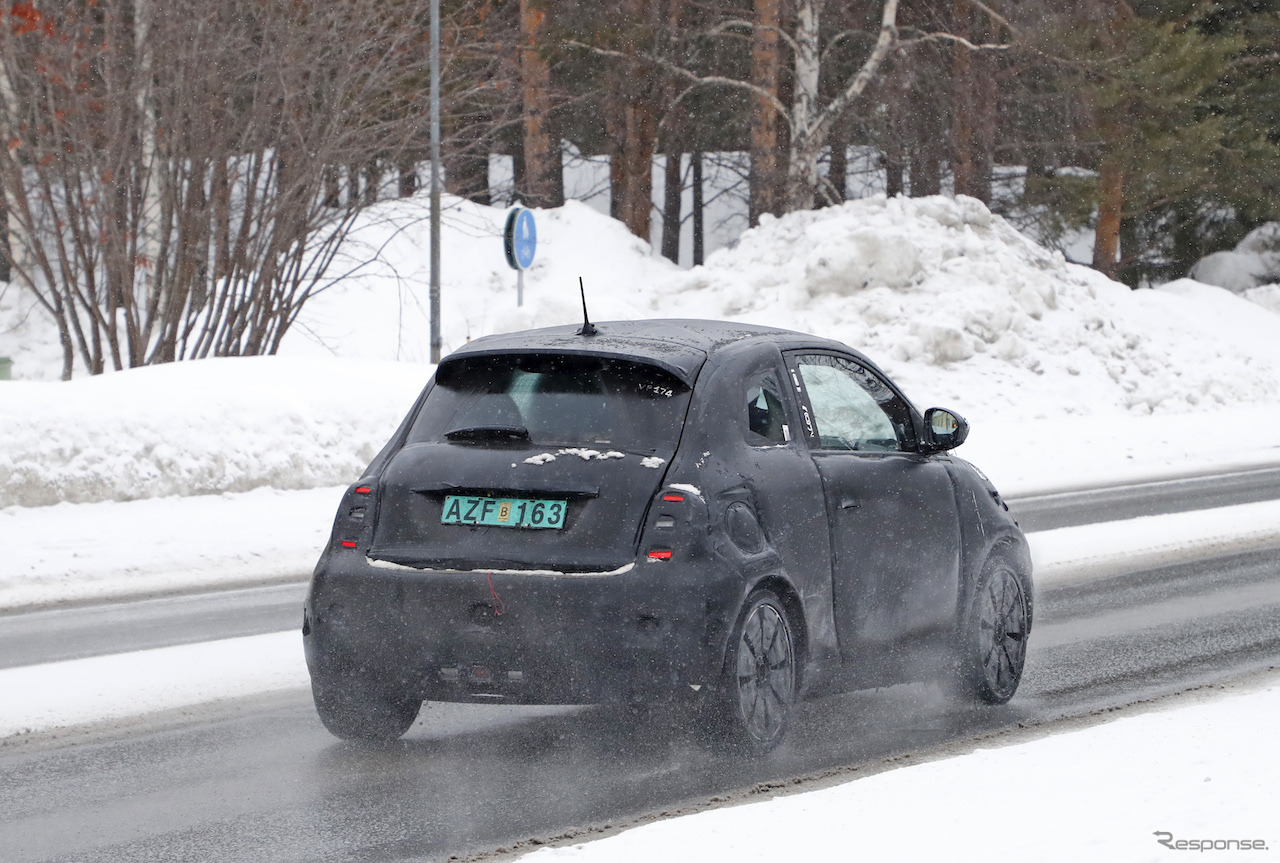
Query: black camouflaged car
point(663, 511)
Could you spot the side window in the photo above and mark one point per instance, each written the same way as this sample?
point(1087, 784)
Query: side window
point(854, 409)
point(766, 418)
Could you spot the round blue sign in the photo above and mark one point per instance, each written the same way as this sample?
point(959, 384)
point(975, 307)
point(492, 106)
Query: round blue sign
point(520, 238)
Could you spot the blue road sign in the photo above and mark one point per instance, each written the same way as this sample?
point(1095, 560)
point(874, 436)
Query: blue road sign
point(520, 238)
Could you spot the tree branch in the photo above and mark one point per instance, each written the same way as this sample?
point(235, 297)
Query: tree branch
point(959, 40)
point(748, 25)
point(888, 36)
point(694, 78)
point(996, 17)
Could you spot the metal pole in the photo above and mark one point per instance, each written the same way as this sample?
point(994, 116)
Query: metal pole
point(519, 287)
point(435, 182)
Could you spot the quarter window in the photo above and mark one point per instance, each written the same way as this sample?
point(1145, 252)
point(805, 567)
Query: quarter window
point(853, 409)
point(766, 417)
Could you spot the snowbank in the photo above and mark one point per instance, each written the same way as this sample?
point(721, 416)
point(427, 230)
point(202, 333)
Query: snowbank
point(948, 297)
point(958, 306)
point(78, 552)
point(130, 685)
point(202, 427)
point(965, 311)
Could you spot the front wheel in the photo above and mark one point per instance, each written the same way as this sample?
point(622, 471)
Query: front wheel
point(993, 637)
point(759, 686)
point(354, 712)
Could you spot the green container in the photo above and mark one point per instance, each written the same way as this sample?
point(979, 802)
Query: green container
point(6, 369)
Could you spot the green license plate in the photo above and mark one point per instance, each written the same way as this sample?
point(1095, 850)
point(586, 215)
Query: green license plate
point(503, 511)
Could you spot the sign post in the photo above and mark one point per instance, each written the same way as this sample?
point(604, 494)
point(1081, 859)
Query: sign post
point(519, 242)
point(437, 342)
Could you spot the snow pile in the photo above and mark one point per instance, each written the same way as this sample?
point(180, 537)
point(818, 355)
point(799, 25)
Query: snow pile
point(1267, 296)
point(381, 311)
point(1254, 261)
point(198, 428)
point(948, 297)
point(963, 309)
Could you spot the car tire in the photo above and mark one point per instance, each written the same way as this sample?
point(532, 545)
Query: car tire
point(758, 690)
point(351, 711)
point(992, 642)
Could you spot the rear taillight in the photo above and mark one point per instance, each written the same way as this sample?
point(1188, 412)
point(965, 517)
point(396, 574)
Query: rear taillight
point(675, 525)
point(351, 517)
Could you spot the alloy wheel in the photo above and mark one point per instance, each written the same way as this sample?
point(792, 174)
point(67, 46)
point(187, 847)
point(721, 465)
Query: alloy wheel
point(766, 673)
point(1002, 635)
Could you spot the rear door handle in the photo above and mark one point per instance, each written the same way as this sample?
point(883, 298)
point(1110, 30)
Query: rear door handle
point(850, 503)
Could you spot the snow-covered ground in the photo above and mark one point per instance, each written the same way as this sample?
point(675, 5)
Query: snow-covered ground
point(199, 428)
point(1112, 792)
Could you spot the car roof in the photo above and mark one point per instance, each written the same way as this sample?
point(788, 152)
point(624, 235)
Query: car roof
point(680, 346)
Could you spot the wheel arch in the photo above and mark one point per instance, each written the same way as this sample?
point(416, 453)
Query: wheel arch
point(1011, 547)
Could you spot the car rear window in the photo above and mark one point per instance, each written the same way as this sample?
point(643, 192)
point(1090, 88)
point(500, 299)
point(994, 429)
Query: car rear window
point(561, 400)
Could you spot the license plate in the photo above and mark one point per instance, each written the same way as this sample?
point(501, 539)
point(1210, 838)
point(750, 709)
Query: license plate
point(503, 511)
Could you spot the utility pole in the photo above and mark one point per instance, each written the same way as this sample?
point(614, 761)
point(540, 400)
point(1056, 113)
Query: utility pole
point(435, 182)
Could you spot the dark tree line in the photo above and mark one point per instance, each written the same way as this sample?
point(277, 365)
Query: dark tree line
point(178, 177)
point(1154, 121)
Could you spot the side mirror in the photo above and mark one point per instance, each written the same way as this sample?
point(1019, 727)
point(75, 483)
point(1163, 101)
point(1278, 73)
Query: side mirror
point(943, 430)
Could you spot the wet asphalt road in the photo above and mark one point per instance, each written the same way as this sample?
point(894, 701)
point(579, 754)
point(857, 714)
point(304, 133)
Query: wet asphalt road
point(261, 780)
point(116, 627)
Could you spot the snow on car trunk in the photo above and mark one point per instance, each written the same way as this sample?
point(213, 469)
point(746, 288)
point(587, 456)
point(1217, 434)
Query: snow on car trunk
point(460, 506)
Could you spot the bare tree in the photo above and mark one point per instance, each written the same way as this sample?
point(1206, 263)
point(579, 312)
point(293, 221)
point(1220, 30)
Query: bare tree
point(169, 169)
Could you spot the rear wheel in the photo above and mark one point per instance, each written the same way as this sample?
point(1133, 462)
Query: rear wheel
point(759, 687)
point(352, 711)
point(993, 641)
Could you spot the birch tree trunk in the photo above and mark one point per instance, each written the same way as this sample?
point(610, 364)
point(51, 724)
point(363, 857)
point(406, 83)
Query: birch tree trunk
point(806, 142)
point(148, 250)
point(811, 125)
point(696, 169)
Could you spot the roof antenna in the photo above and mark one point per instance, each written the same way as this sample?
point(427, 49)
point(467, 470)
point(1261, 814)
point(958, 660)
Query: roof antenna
point(588, 328)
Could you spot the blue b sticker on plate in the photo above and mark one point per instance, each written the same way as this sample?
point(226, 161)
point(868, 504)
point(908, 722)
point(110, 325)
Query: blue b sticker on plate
point(503, 511)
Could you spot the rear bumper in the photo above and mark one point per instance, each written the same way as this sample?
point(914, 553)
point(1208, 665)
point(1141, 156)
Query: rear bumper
point(651, 633)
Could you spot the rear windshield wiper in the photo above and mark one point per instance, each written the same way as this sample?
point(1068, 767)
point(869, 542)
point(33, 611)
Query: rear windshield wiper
point(492, 433)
